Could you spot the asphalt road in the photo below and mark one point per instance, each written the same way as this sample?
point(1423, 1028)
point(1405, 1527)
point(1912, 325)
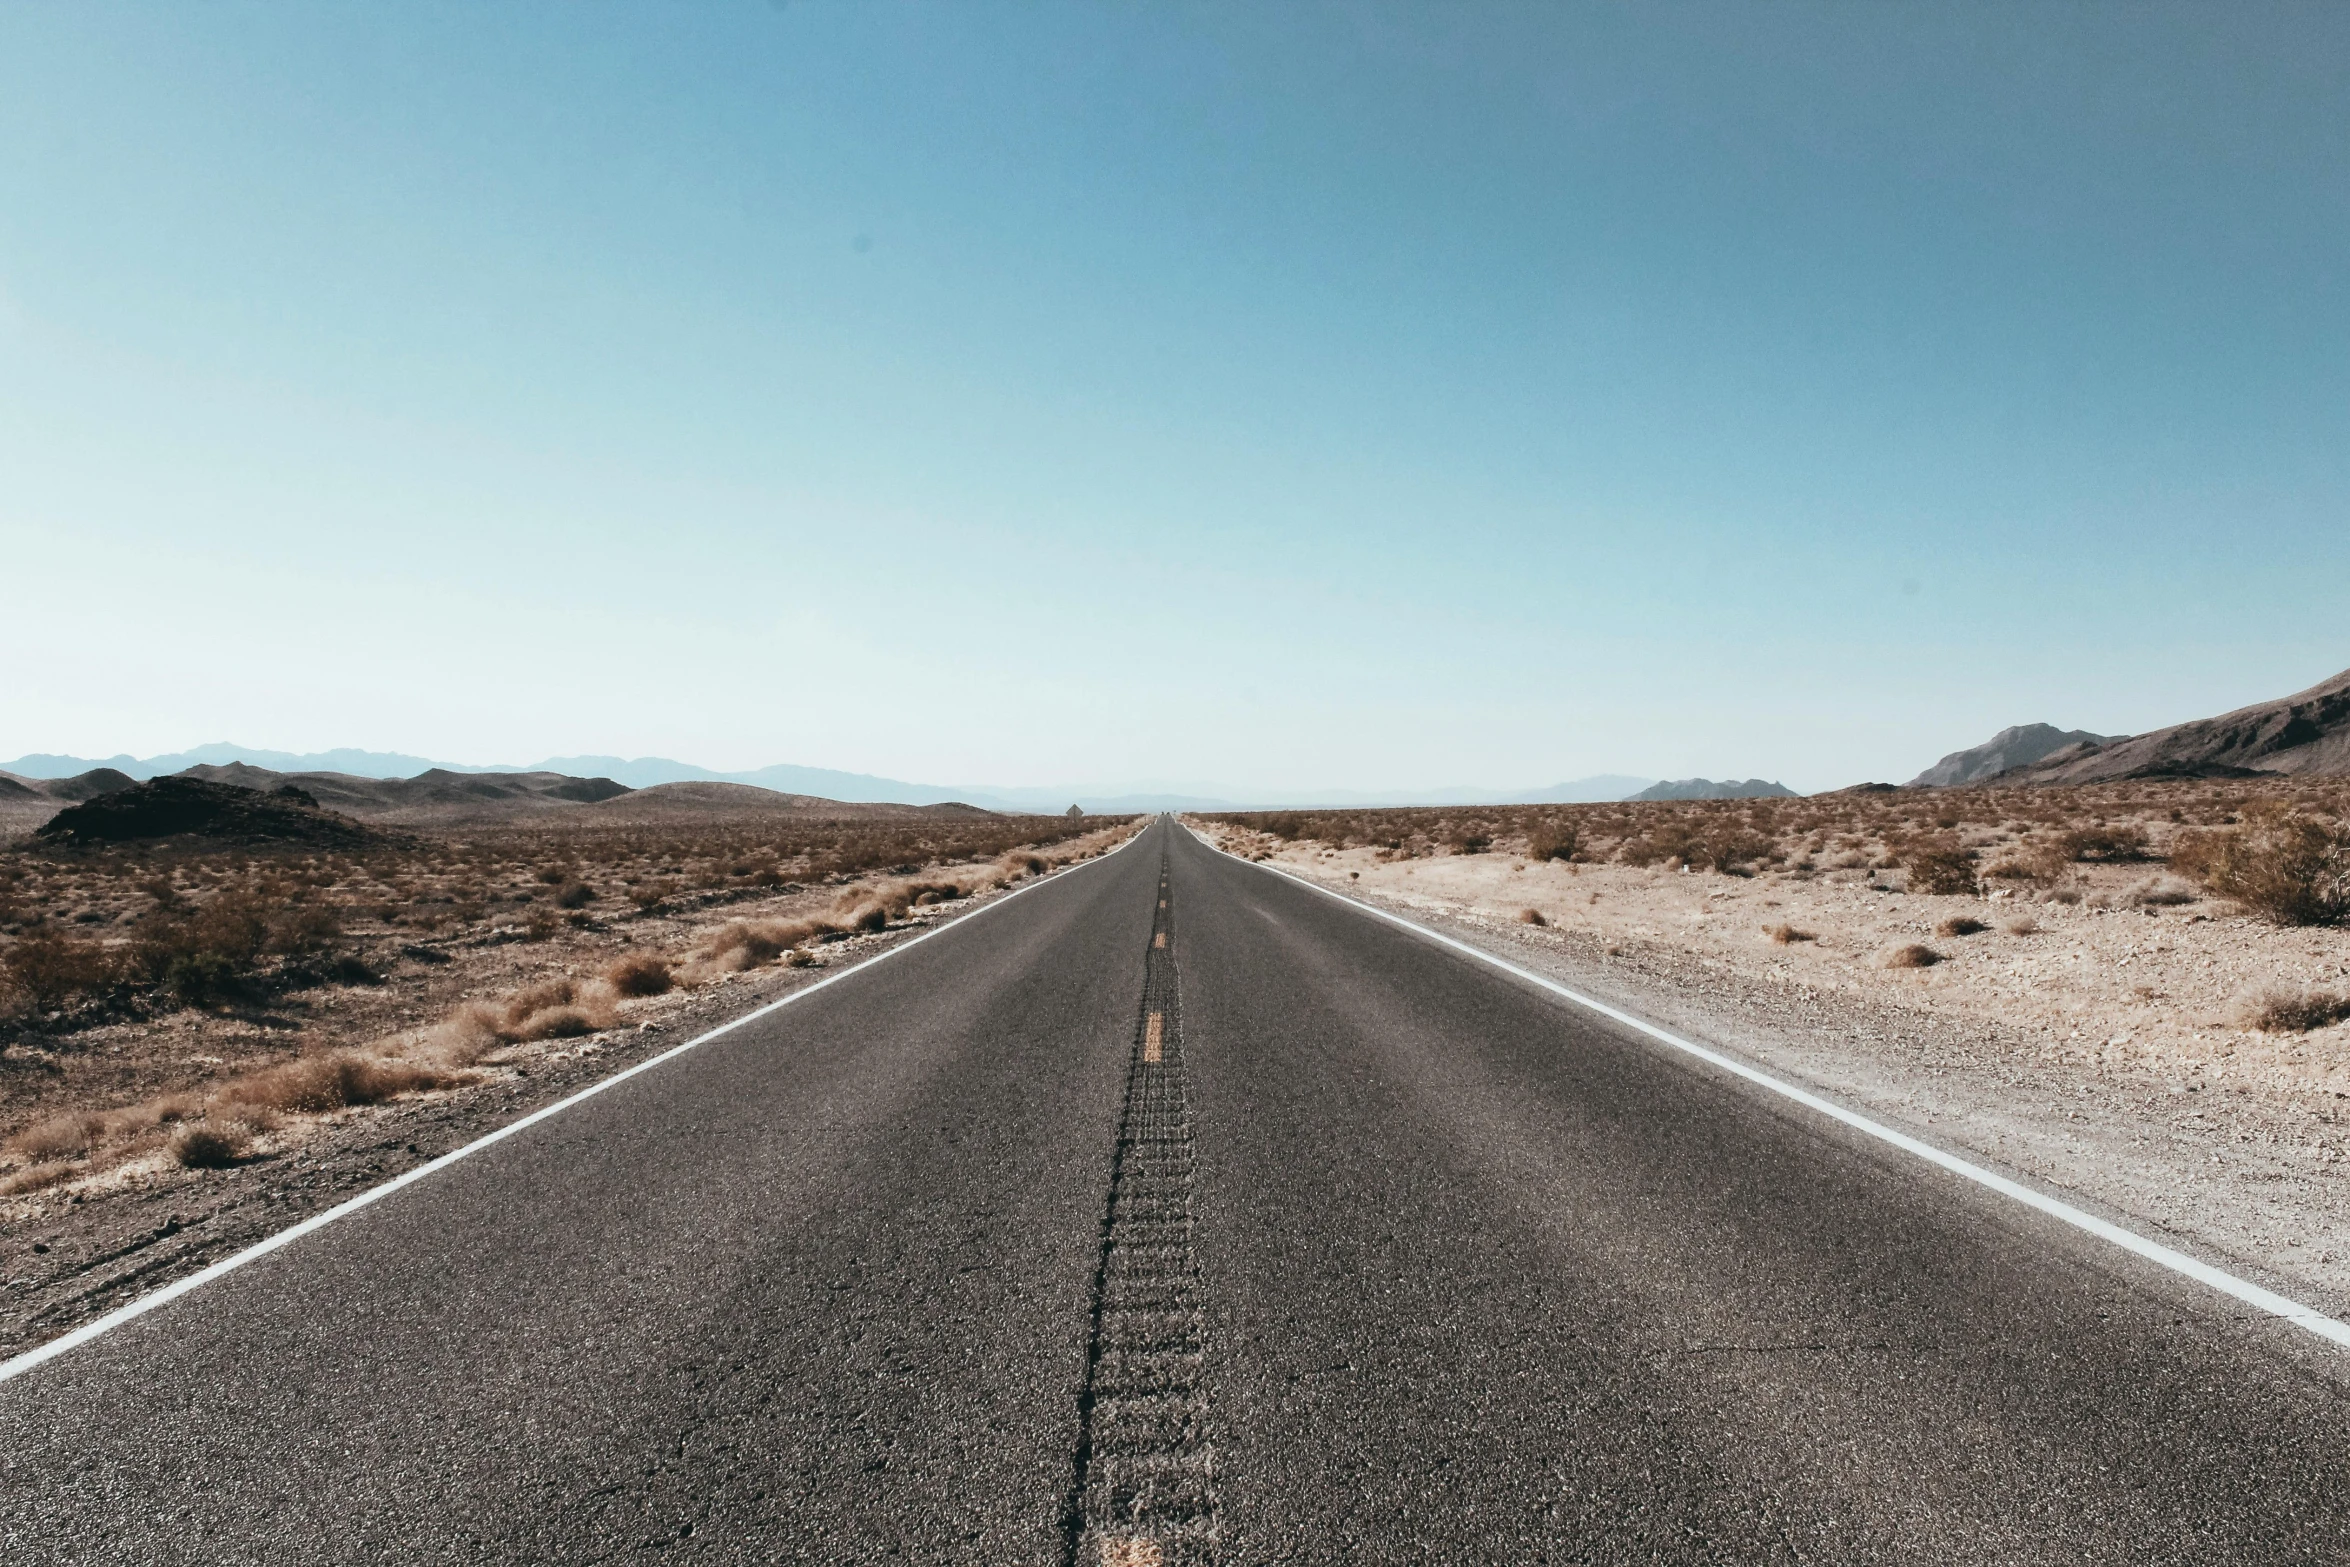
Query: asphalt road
point(1362, 1252)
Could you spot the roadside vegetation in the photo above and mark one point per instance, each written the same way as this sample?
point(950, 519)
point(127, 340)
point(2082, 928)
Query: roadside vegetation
point(2278, 849)
point(195, 1002)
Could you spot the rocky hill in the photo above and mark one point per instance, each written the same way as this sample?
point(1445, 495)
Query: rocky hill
point(1708, 789)
point(2010, 748)
point(2307, 733)
point(192, 807)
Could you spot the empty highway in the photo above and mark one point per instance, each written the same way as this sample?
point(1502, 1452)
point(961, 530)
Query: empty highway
point(1173, 1212)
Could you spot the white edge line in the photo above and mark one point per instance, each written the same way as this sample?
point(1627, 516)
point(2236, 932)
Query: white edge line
point(44, 1353)
point(2251, 1294)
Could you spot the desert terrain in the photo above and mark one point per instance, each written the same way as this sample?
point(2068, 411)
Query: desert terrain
point(202, 1038)
point(2088, 984)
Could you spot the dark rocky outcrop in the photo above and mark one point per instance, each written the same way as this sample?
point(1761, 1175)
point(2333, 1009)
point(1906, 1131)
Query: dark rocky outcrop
point(194, 807)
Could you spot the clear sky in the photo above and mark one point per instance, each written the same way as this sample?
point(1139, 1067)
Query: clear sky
point(1253, 396)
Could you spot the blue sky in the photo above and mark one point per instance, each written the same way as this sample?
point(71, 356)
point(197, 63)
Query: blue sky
point(1250, 397)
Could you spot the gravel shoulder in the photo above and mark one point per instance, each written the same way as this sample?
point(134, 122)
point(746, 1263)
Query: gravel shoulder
point(2093, 1054)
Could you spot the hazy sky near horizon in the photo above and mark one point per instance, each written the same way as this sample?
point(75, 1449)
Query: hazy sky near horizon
point(1270, 397)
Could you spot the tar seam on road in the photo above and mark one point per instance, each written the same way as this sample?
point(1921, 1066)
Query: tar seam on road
point(43, 1353)
point(2307, 1318)
point(1143, 1492)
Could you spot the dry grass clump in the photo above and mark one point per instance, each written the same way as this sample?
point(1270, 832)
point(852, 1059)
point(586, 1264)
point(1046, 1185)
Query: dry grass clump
point(1960, 925)
point(1788, 935)
point(1531, 917)
point(557, 1009)
point(1914, 955)
point(2022, 925)
point(331, 1080)
point(747, 944)
point(60, 1137)
point(639, 974)
point(207, 1147)
point(2286, 1010)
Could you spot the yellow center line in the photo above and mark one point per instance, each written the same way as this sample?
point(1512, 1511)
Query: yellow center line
point(1160, 940)
point(1154, 1038)
point(1133, 1552)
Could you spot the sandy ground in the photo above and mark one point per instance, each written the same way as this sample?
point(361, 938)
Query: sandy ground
point(2095, 1051)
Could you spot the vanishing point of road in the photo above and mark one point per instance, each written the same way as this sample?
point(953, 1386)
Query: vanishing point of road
point(1173, 1212)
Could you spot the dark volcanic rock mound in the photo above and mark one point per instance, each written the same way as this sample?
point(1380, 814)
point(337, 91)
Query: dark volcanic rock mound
point(192, 807)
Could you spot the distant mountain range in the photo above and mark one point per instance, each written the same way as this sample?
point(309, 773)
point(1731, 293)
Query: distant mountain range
point(2307, 733)
point(646, 772)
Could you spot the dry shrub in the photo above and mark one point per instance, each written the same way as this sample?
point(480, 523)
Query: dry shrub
point(574, 895)
point(1942, 870)
point(1914, 955)
point(1732, 850)
point(799, 957)
point(1531, 917)
point(332, 1080)
point(2124, 842)
point(208, 1147)
point(59, 1137)
point(1552, 840)
point(1787, 935)
point(2022, 925)
point(2287, 1010)
point(1020, 863)
point(1960, 925)
point(2286, 866)
point(52, 968)
point(2159, 892)
point(640, 974)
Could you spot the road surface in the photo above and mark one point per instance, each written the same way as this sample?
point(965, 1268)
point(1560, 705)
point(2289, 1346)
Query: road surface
point(1173, 1212)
